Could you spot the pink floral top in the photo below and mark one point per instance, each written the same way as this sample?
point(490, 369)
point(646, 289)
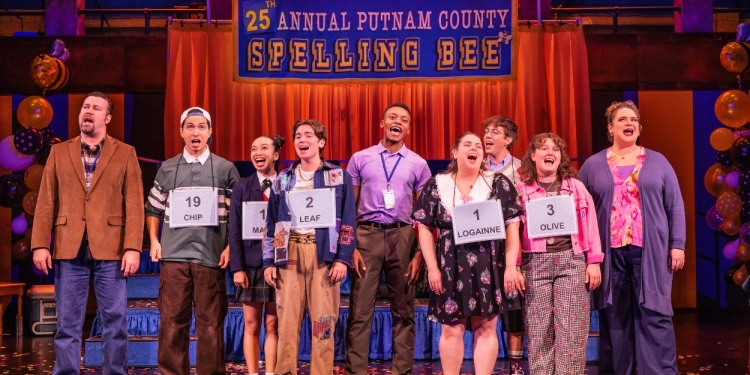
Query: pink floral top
point(626, 226)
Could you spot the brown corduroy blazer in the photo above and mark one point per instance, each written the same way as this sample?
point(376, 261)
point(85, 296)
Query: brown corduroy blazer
point(111, 211)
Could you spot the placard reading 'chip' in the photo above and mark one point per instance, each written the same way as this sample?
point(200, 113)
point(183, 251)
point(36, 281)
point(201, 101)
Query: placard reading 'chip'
point(314, 208)
point(480, 221)
point(551, 216)
point(193, 207)
point(254, 220)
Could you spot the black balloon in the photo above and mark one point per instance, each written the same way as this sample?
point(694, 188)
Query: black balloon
point(43, 154)
point(47, 133)
point(723, 157)
point(28, 141)
point(745, 211)
point(741, 152)
point(12, 190)
point(729, 274)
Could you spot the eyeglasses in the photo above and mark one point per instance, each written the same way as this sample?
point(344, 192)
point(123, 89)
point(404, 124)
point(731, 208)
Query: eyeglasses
point(494, 132)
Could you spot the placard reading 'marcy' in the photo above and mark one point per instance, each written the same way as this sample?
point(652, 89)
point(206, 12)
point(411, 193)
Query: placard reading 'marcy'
point(551, 216)
point(480, 221)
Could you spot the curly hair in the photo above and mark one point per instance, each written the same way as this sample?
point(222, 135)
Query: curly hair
point(453, 166)
point(528, 167)
point(612, 110)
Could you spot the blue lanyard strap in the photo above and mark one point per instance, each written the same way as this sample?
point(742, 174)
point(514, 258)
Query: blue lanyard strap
point(90, 168)
point(388, 177)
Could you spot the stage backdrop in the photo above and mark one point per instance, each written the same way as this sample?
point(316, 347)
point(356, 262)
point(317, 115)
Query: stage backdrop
point(550, 93)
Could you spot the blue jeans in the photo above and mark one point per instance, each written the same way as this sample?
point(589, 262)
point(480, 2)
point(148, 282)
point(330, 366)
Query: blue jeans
point(71, 294)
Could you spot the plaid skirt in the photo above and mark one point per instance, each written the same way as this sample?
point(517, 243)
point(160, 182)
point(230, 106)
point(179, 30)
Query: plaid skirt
point(258, 290)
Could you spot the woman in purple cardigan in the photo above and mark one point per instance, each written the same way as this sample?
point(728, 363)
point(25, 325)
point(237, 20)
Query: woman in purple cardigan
point(642, 226)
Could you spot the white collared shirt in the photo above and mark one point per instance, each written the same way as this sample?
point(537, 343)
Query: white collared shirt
point(190, 159)
point(262, 177)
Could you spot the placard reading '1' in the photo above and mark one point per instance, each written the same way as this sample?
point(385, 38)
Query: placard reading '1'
point(551, 216)
point(193, 207)
point(314, 208)
point(480, 221)
point(254, 220)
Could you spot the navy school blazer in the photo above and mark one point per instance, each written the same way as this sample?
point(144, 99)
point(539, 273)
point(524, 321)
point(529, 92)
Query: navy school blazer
point(243, 253)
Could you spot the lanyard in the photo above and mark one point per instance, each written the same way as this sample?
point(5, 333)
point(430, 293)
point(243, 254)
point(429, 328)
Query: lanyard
point(90, 168)
point(387, 177)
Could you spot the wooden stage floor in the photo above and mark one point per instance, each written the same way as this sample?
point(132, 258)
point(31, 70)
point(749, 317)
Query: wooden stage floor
point(708, 342)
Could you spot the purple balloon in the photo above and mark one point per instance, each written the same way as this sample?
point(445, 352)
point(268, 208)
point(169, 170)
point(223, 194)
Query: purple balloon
point(714, 220)
point(732, 179)
point(37, 271)
point(58, 48)
point(730, 249)
point(19, 224)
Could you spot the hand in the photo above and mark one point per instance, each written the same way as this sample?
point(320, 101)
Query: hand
point(155, 251)
point(43, 260)
point(414, 272)
point(131, 260)
point(240, 279)
point(676, 259)
point(593, 276)
point(435, 278)
point(511, 280)
point(358, 262)
point(270, 275)
point(521, 282)
point(337, 272)
point(224, 259)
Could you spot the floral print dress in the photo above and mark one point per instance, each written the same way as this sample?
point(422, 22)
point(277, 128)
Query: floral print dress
point(472, 274)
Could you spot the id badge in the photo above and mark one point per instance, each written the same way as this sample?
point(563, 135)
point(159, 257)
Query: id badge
point(389, 198)
point(281, 241)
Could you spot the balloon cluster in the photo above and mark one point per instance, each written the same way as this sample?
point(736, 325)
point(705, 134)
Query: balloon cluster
point(26, 151)
point(729, 179)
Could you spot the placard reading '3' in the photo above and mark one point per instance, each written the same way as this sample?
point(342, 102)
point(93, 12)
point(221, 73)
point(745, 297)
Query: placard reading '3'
point(314, 208)
point(480, 221)
point(254, 220)
point(193, 207)
point(551, 216)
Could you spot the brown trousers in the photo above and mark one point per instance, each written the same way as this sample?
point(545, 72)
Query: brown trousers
point(182, 285)
point(304, 281)
point(386, 251)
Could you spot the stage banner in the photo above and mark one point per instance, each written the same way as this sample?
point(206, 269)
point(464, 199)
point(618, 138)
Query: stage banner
point(319, 41)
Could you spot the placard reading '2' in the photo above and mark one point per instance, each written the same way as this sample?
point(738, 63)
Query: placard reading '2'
point(314, 208)
point(193, 207)
point(480, 221)
point(551, 216)
point(254, 220)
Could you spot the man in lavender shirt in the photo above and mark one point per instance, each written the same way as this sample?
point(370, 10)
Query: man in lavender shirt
point(387, 178)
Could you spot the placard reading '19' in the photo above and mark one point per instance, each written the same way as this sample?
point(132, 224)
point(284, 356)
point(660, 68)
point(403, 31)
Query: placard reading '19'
point(254, 220)
point(314, 208)
point(193, 207)
point(551, 216)
point(480, 221)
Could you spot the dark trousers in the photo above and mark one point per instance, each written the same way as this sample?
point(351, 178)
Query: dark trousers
point(71, 293)
point(631, 333)
point(182, 285)
point(386, 251)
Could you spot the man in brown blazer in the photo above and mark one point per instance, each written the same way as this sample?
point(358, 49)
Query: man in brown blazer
point(91, 195)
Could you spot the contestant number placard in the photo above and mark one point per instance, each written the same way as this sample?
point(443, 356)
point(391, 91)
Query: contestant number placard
point(194, 207)
point(314, 208)
point(551, 216)
point(480, 221)
point(254, 220)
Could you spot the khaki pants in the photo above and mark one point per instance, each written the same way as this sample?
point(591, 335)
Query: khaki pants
point(304, 281)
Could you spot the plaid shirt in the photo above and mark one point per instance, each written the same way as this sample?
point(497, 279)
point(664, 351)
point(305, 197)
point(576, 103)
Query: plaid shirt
point(90, 155)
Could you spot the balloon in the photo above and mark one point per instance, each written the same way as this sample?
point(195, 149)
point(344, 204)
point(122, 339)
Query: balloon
point(34, 112)
point(39, 272)
point(12, 190)
point(740, 275)
point(21, 249)
point(29, 202)
point(30, 219)
point(48, 72)
point(43, 154)
point(723, 157)
point(715, 180)
point(733, 179)
point(741, 152)
point(58, 47)
point(729, 274)
point(65, 56)
point(11, 159)
point(19, 224)
point(33, 176)
point(732, 108)
point(734, 57)
point(28, 141)
point(730, 249)
point(745, 233)
point(713, 219)
point(729, 205)
point(743, 251)
point(47, 133)
point(731, 226)
point(745, 212)
point(721, 139)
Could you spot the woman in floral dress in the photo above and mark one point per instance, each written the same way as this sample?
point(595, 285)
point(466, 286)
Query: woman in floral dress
point(469, 282)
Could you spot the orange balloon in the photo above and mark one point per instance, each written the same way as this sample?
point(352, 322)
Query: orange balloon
point(715, 180)
point(735, 57)
point(743, 251)
point(29, 202)
point(33, 176)
point(731, 226)
point(34, 112)
point(722, 139)
point(21, 249)
point(48, 72)
point(740, 275)
point(729, 205)
point(732, 108)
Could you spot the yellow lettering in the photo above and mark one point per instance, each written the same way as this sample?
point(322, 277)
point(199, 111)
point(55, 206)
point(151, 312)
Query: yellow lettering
point(469, 58)
point(446, 48)
point(276, 54)
point(321, 60)
point(385, 55)
point(490, 53)
point(363, 50)
point(410, 54)
point(298, 61)
point(344, 59)
point(255, 61)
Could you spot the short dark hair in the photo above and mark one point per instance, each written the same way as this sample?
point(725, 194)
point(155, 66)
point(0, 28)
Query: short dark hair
point(318, 128)
point(509, 127)
point(399, 105)
point(103, 96)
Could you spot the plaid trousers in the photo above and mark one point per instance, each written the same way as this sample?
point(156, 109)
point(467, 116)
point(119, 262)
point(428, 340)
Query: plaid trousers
point(557, 312)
